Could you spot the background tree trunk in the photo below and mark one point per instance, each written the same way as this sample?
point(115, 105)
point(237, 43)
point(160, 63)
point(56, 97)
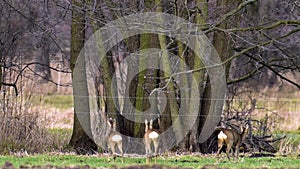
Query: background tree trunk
point(133, 44)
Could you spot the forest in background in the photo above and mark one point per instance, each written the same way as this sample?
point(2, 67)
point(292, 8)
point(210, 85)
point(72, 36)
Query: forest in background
point(258, 41)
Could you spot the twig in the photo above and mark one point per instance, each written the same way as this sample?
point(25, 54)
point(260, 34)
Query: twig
point(11, 85)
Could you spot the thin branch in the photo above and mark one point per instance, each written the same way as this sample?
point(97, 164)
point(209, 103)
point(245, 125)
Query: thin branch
point(229, 14)
point(11, 85)
point(37, 63)
point(290, 55)
point(273, 70)
point(260, 45)
point(27, 66)
point(258, 28)
point(244, 77)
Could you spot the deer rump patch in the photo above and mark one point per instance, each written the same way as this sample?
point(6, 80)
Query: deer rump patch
point(153, 135)
point(116, 138)
point(222, 135)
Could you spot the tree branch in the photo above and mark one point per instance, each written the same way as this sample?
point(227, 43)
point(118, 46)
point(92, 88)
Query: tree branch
point(241, 52)
point(260, 27)
point(11, 85)
point(229, 14)
point(244, 77)
point(27, 66)
point(272, 69)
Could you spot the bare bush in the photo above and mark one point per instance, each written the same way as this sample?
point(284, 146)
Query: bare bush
point(242, 107)
point(23, 130)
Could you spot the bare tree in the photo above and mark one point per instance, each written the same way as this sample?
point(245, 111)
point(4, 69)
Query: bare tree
point(236, 34)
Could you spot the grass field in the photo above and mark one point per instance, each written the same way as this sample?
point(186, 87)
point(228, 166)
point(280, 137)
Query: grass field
point(180, 161)
point(57, 101)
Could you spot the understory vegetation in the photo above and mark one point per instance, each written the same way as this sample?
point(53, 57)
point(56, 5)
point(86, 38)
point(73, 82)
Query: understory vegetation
point(25, 128)
point(26, 131)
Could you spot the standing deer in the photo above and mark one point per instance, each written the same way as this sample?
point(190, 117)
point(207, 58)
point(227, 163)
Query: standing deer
point(114, 138)
point(151, 136)
point(230, 137)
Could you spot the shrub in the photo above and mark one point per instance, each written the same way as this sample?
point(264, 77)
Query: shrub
point(23, 129)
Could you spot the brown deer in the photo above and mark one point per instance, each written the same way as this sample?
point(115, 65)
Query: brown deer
point(114, 138)
point(230, 137)
point(151, 136)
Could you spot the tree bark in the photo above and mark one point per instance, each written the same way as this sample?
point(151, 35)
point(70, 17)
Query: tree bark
point(200, 19)
point(223, 45)
point(81, 139)
point(0, 68)
point(127, 127)
point(172, 109)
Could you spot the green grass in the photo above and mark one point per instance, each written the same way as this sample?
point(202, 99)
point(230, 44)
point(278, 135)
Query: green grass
point(60, 131)
point(58, 101)
point(183, 161)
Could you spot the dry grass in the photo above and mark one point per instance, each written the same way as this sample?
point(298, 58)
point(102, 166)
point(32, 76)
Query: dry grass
point(290, 145)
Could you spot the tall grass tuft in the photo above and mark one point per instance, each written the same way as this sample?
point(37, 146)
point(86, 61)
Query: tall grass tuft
point(290, 145)
point(22, 128)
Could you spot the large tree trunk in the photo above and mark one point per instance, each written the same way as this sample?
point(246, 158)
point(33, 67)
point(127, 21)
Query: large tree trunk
point(81, 139)
point(223, 45)
point(172, 109)
point(110, 67)
point(140, 91)
point(127, 127)
point(199, 76)
point(0, 68)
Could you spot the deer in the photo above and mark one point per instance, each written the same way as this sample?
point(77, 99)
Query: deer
point(230, 138)
point(151, 136)
point(114, 138)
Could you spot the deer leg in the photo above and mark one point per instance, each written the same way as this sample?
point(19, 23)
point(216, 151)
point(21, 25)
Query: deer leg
point(155, 143)
point(220, 145)
point(113, 150)
point(237, 147)
point(229, 145)
point(148, 147)
point(121, 150)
